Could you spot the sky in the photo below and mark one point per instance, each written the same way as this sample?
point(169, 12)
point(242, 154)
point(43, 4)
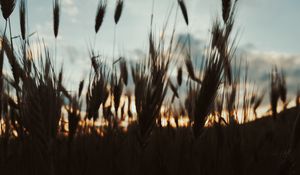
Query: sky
point(267, 31)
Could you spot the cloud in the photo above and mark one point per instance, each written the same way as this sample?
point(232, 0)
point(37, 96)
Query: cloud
point(197, 45)
point(73, 54)
point(261, 63)
point(70, 8)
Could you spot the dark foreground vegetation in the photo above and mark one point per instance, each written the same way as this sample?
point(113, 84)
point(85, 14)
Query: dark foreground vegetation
point(260, 147)
point(47, 129)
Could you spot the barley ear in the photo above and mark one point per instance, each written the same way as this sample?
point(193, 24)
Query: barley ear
point(124, 72)
point(184, 11)
point(118, 11)
point(226, 9)
point(179, 76)
point(23, 19)
point(7, 7)
point(80, 88)
point(100, 14)
point(56, 16)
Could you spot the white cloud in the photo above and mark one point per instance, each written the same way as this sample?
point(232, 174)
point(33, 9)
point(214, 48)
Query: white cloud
point(70, 8)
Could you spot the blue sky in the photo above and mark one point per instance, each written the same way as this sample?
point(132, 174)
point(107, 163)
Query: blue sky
point(268, 30)
point(268, 25)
